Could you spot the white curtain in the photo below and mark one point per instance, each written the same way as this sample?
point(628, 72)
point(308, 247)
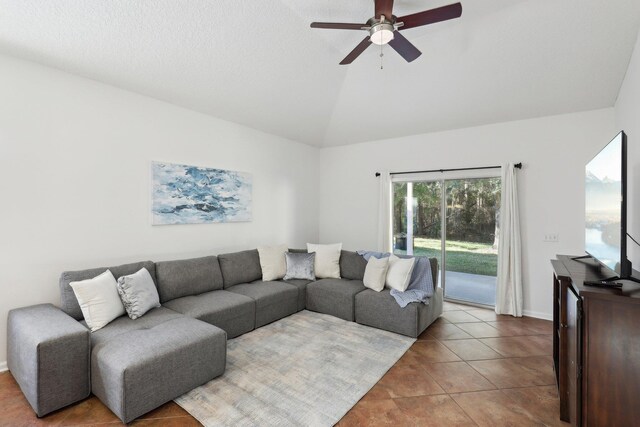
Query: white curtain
point(384, 213)
point(509, 288)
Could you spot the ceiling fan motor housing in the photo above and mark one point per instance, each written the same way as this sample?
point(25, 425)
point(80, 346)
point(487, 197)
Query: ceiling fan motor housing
point(381, 33)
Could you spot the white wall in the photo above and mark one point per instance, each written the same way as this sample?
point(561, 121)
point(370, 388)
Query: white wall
point(74, 181)
point(553, 150)
point(627, 112)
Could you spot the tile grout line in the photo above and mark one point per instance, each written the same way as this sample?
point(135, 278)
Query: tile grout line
point(524, 409)
point(463, 410)
point(468, 364)
point(501, 390)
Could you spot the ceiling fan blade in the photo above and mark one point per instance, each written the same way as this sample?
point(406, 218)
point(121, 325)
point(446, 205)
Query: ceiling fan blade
point(384, 7)
point(337, 26)
point(364, 44)
point(432, 16)
point(404, 47)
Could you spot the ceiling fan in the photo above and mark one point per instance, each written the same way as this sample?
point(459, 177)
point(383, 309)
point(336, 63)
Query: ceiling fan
point(384, 28)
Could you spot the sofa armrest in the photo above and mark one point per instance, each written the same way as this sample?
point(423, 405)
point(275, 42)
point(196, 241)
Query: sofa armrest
point(48, 355)
point(434, 271)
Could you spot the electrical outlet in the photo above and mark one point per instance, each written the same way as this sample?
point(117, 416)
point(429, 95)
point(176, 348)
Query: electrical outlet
point(551, 237)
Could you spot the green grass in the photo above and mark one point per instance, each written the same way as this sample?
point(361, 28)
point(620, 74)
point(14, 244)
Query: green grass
point(463, 257)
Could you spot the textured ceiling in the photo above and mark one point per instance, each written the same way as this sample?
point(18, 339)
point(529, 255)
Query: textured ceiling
point(259, 64)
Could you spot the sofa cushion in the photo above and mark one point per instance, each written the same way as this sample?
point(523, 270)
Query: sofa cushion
point(137, 371)
point(334, 296)
point(380, 310)
point(301, 284)
point(234, 313)
point(240, 267)
point(352, 265)
point(68, 301)
point(181, 278)
point(125, 324)
point(274, 300)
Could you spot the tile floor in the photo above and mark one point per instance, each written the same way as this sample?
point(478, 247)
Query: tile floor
point(470, 368)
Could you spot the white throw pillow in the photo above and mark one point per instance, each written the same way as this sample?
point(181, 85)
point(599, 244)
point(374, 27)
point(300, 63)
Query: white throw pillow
point(375, 273)
point(99, 300)
point(327, 264)
point(138, 293)
point(399, 273)
point(272, 262)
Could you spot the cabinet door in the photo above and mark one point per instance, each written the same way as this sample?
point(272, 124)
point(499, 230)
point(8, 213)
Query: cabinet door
point(611, 385)
point(573, 331)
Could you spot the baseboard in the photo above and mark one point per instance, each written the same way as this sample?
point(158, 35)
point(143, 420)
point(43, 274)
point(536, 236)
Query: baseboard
point(3, 366)
point(538, 314)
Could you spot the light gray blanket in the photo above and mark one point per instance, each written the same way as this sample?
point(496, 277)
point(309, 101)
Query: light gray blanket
point(421, 286)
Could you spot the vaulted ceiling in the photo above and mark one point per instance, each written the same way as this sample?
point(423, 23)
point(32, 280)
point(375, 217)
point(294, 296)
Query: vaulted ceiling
point(259, 64)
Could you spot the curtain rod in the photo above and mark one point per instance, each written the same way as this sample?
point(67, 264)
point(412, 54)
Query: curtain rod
point(517, 166)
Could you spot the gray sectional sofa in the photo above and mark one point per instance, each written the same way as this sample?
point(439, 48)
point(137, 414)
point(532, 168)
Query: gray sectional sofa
point(134, 366)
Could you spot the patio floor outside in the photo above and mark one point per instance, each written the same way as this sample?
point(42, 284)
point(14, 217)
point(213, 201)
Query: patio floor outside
point(475, 288)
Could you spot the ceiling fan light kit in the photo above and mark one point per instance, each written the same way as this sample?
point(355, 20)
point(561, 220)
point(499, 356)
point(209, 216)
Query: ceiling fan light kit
point(383, 30)
point(381, 33)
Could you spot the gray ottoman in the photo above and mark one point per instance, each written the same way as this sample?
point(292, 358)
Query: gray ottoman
point(138, 370)
point(48, 355)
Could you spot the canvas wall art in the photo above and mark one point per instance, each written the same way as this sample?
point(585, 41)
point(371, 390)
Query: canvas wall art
point(183, 194)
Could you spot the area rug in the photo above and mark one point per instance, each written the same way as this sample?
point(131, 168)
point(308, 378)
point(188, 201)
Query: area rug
point(307, 369)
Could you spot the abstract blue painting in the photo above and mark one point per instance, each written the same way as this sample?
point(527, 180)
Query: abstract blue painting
point(183, 194)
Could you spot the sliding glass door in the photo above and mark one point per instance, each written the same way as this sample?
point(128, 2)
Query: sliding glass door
point(471, 244)
point(455, 221)
point(419, 204)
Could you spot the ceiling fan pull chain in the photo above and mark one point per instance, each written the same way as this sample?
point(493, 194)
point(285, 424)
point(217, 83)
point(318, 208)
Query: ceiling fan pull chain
point(381, 56)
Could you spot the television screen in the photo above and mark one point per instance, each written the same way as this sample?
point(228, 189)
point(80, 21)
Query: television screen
point(604, 207)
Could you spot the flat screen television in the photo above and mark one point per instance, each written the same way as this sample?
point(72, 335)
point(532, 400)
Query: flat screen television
point(606, 207)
